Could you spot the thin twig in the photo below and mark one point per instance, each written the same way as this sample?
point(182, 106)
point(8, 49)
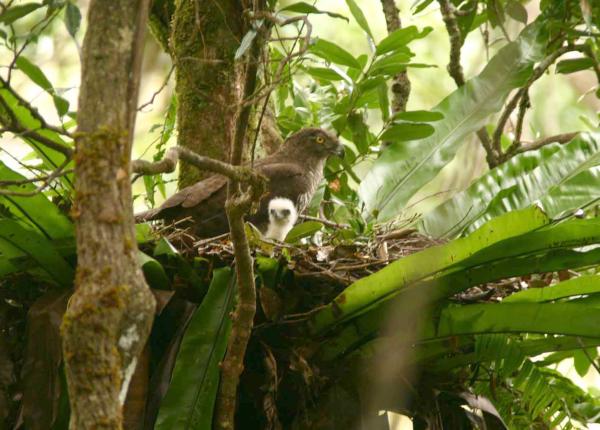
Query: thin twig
point(305, 42)
point(157, 92)
point(523, 106)
point(36, 179)
point(46, 183)
point(33, 111)
point(587, 354)
point(19, 130)
point(324, 221)
point(559, 138)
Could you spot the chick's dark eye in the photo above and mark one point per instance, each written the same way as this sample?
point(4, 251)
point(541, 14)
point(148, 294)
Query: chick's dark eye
point(320, 139)
point(272, 211)
point(285, 212)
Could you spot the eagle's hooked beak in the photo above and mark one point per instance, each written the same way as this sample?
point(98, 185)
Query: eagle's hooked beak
point(339, 150)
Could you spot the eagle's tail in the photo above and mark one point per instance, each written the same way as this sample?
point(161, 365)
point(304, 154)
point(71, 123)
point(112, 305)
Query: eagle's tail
point(148, 215)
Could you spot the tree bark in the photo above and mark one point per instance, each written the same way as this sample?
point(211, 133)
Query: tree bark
point(401, 83)
point(205, 36)
point(110, 314)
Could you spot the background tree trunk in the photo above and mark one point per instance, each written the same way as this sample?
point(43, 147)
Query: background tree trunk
point(110, 314)
point(205, 36)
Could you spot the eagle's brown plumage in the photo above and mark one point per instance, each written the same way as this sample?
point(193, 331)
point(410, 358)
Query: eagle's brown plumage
point(293, 172)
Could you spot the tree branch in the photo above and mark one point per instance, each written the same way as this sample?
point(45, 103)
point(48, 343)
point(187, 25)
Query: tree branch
point(173, 155)
point(559, 138)
point(266, 90)
point(456, 42)
point(18, 130)
point(110, 314)
point(33, 111)
point(401, 83)
point(237, 205)
point(538, 71)
point(456, 72)
point(47, 180)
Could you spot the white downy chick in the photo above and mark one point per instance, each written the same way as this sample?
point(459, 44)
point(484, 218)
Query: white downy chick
point(282, 217)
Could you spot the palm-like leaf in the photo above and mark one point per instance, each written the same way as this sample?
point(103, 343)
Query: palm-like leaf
point(561, 178)
point(404, 167)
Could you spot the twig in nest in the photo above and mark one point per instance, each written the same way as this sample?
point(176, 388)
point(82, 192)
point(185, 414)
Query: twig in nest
point(397, 234)
point(324, 221)
point(211, 239)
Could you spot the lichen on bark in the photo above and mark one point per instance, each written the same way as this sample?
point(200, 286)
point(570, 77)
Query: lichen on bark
point(204, 39)
point(111, 301)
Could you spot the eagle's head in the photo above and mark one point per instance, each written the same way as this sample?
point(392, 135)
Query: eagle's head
point(314, 142)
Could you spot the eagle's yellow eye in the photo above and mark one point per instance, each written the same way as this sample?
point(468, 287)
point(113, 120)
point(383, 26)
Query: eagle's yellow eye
point(320, 139)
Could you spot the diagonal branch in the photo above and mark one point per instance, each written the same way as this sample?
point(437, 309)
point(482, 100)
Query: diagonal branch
point(19, 130)
point(47, 180)
point(32, 111)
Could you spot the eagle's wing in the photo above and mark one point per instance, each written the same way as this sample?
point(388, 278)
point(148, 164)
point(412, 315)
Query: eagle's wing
point(197, 193)
point(289, 180)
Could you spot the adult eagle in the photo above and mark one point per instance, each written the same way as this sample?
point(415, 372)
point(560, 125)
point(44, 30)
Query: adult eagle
point(294, 172)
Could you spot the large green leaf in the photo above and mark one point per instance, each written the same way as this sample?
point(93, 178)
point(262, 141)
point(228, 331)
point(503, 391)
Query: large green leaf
point(35, 246)
point(548, 318)
point(303, 7)
point(39, 78)
point(404, 167)
point(10, 15)
point(190, 399)
point(581, 285)
point(27, 119)
point(359, 16)
point(368, 290)
point(333, 53)
point(545, 249)
point(401, 38)
point(36, 211)
point(154, 272)
point(560, 177)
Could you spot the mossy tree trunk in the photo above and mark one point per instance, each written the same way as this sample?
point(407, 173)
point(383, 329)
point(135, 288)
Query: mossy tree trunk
point(204, 38)
point(110, 314)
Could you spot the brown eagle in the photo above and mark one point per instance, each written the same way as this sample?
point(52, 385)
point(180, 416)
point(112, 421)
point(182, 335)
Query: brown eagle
point(293, 172)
